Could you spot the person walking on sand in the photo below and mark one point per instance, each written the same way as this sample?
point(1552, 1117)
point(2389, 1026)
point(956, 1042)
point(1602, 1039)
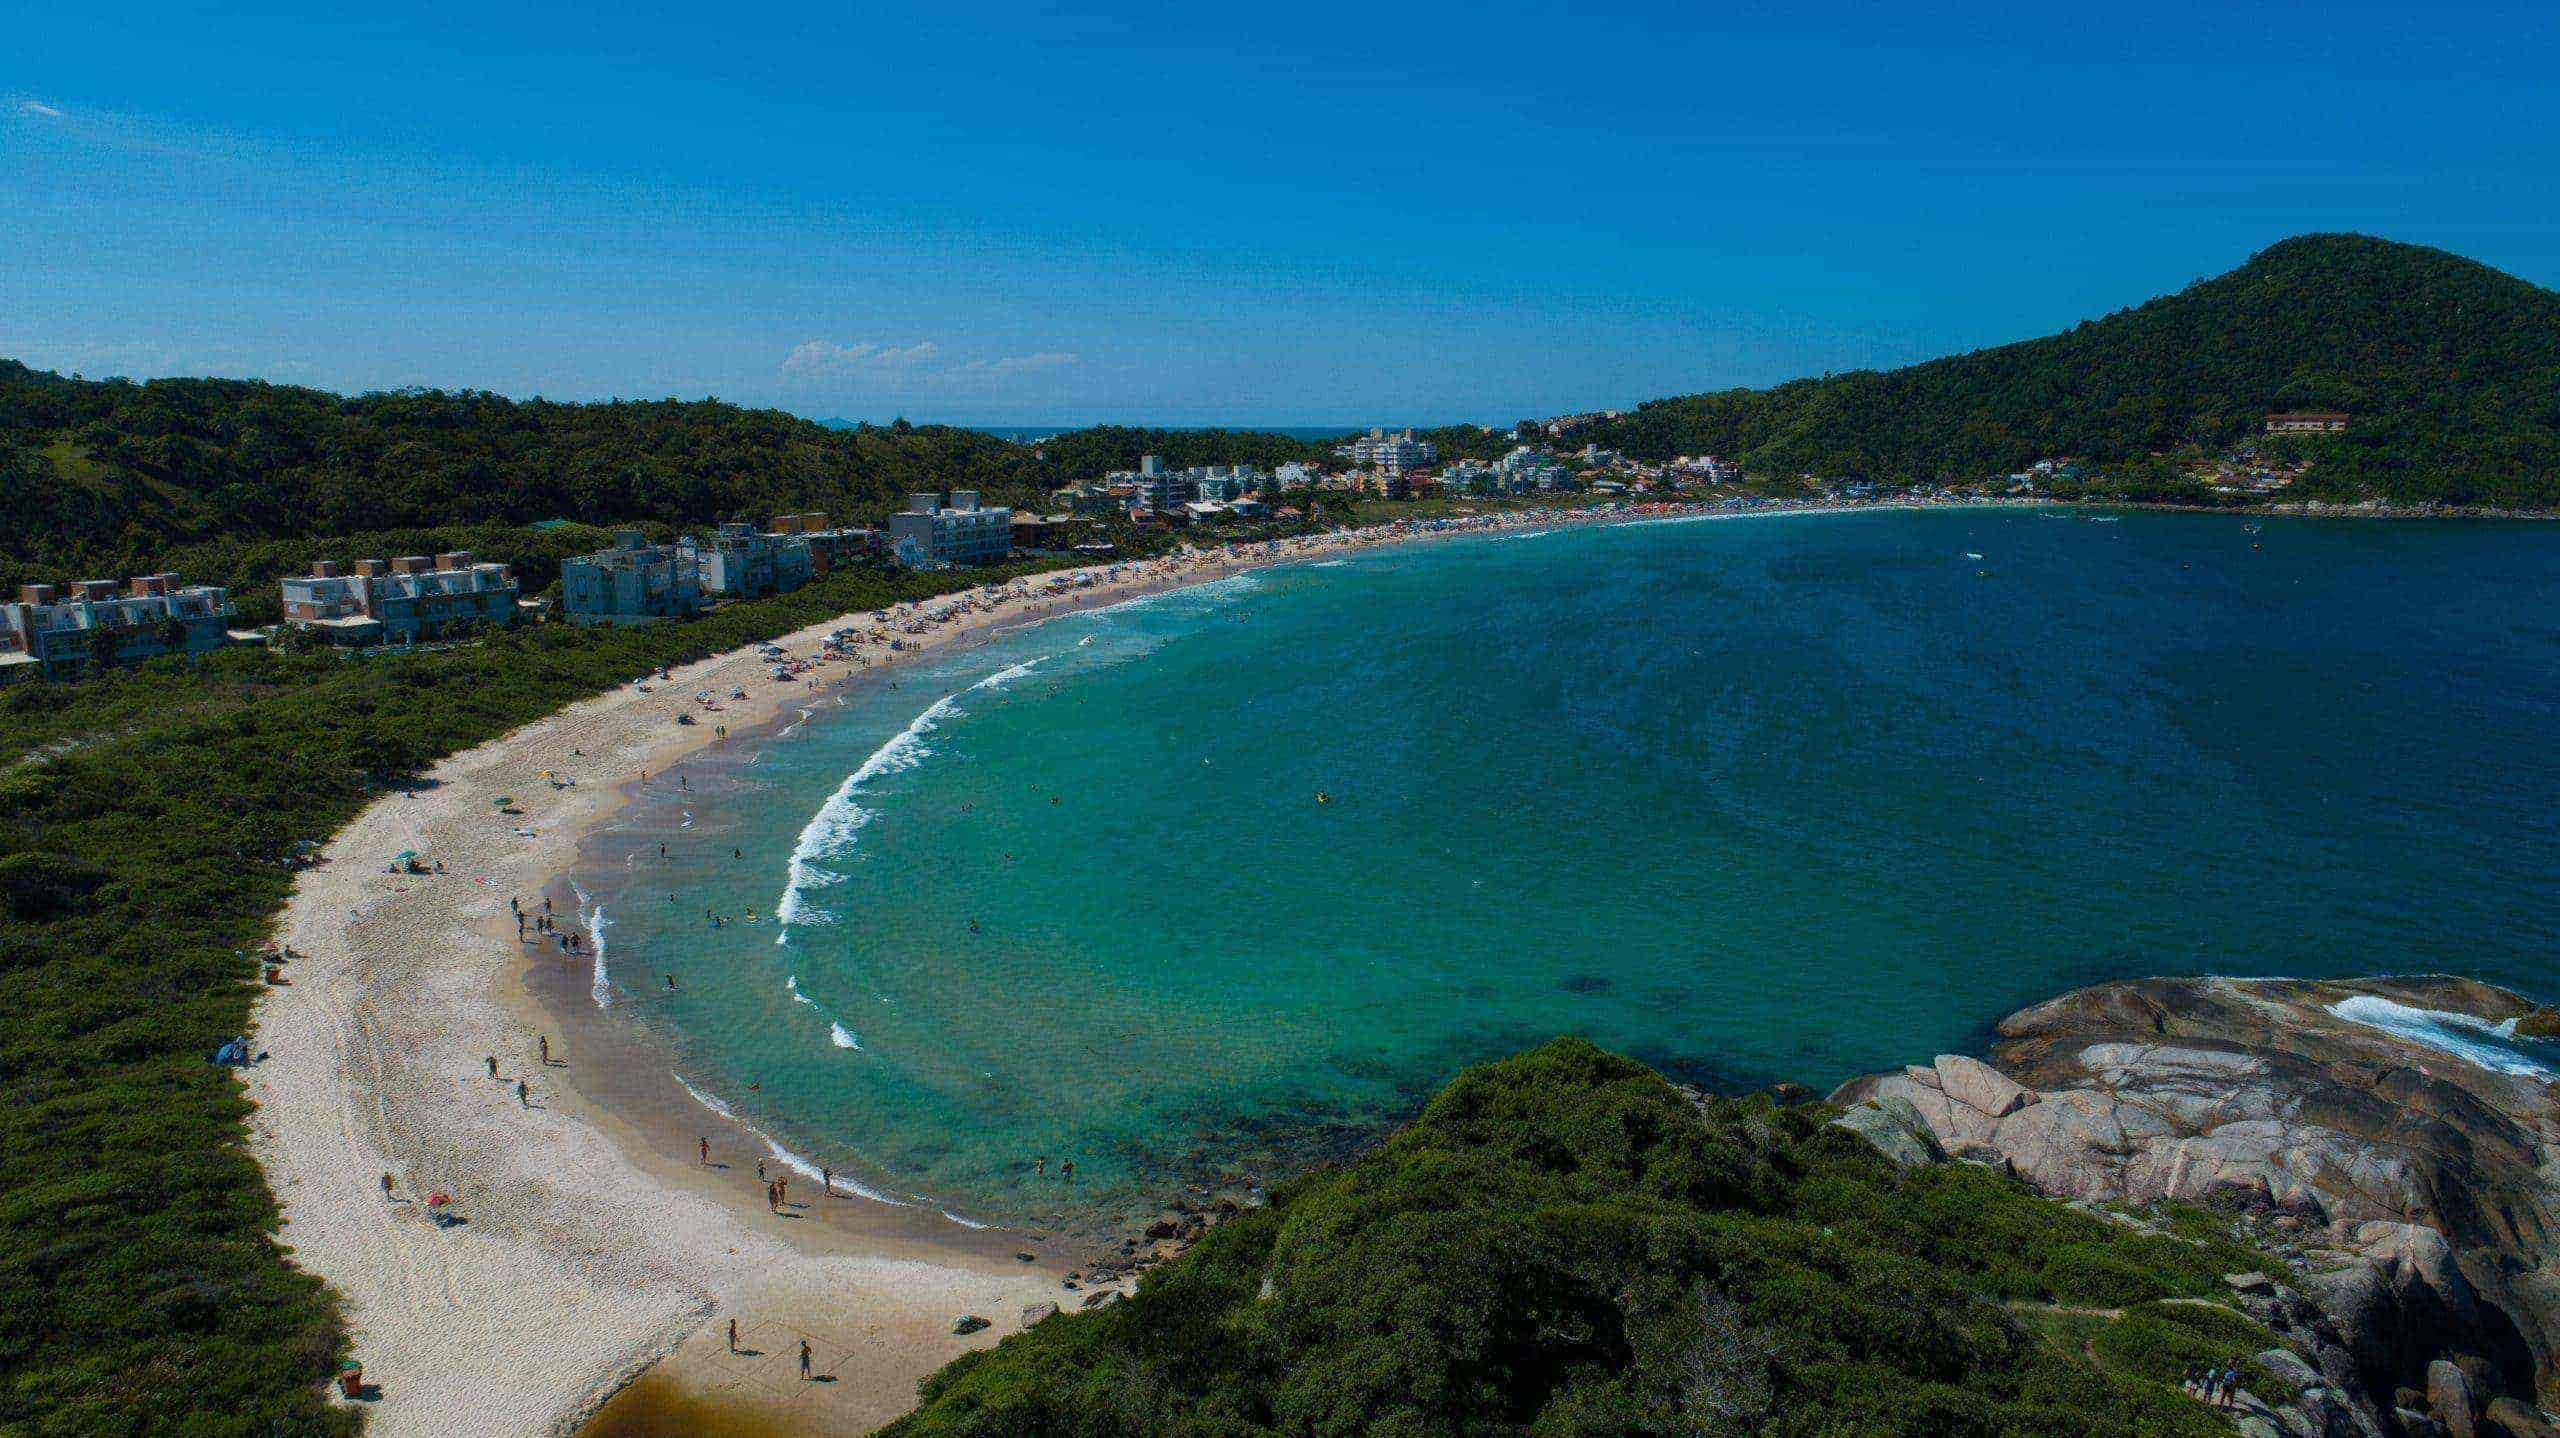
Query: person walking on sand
point(781, 1191)
point(524, 1095)
point(761, 1177)
point(493, 1065)
point(386, 1188)
point(733, 1335)
point(826, 1181)
point(772, 1202)
point(546, 1048)
point(804, 1360)
point(706, 1151)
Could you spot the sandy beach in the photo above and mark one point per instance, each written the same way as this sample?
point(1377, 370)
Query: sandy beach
point(595, 1241)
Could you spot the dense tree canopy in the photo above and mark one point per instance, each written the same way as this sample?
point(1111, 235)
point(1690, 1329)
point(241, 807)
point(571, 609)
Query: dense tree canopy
point(1563, 1244)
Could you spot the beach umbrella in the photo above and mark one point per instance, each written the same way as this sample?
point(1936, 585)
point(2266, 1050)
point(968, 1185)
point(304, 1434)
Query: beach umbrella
point(404, 856)
point(438, 1199)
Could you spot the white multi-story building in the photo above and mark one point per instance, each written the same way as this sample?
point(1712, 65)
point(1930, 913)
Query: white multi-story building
point(632, 583)
point(1529, 469)
point(1391, 454)
point(400, 601)
point(53, 632)
point(736, 562)
point(929, 534)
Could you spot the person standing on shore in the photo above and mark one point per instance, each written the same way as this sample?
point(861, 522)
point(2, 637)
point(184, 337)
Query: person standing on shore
point(386, 1188)
point(546, 1048)
point(524, 1095)
point(826, 1181)
point(804, 1360)
point(706, 1151)
point(781, 1190)
point(493, 1065)
point(733, 1335)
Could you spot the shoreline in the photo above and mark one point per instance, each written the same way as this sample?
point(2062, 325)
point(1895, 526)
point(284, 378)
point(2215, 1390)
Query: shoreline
point(588, 1254)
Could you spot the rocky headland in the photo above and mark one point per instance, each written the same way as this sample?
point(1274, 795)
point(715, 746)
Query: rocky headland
point(2389, 1142)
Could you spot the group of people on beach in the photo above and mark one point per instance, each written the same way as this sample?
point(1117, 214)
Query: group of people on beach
point(542, 926)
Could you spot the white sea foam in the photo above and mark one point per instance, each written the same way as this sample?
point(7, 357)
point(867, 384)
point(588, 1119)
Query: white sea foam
point(843, 1038)
point(840, 818)
point(963, 1222)
point(2467, 1037)
point(599, 983)
point(784, 1156)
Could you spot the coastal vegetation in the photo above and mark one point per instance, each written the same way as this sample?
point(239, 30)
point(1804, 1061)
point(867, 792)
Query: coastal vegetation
point(150, 828)
point(1564, 1243)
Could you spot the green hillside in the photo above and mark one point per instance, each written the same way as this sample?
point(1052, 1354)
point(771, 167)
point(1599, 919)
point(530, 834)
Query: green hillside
point(2451, 369)
point(1563, 1244)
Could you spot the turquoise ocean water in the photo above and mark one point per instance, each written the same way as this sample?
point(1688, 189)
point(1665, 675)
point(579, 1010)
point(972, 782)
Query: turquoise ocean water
point(1220, 881)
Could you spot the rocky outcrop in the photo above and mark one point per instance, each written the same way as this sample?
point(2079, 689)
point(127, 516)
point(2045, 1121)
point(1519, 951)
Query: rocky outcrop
point(2391, 1139)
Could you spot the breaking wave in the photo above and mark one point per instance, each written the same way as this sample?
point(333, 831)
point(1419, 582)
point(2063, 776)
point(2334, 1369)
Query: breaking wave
point(2474, 1040)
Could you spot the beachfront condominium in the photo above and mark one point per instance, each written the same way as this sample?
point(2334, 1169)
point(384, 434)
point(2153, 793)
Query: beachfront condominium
point(1392, 454)
point(56, 633)
point(632, 583)
point(736, 562)
point(829, 545)
point(401, 601)
point(930, 534)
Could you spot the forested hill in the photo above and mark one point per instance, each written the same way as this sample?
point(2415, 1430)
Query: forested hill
point(2451, 369)
point(110, 470)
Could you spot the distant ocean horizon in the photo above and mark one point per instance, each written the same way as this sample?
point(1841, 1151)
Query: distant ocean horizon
point(1030, 433)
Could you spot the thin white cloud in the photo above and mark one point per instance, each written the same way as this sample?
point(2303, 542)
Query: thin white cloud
point(822, 360)
point(1010, 365)
point(824, 363)
point(37, 110)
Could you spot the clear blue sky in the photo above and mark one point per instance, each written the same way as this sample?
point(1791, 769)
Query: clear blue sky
point(1188, 213)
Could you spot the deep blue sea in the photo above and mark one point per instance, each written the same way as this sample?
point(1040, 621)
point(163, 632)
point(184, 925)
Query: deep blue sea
point(1215, 883)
